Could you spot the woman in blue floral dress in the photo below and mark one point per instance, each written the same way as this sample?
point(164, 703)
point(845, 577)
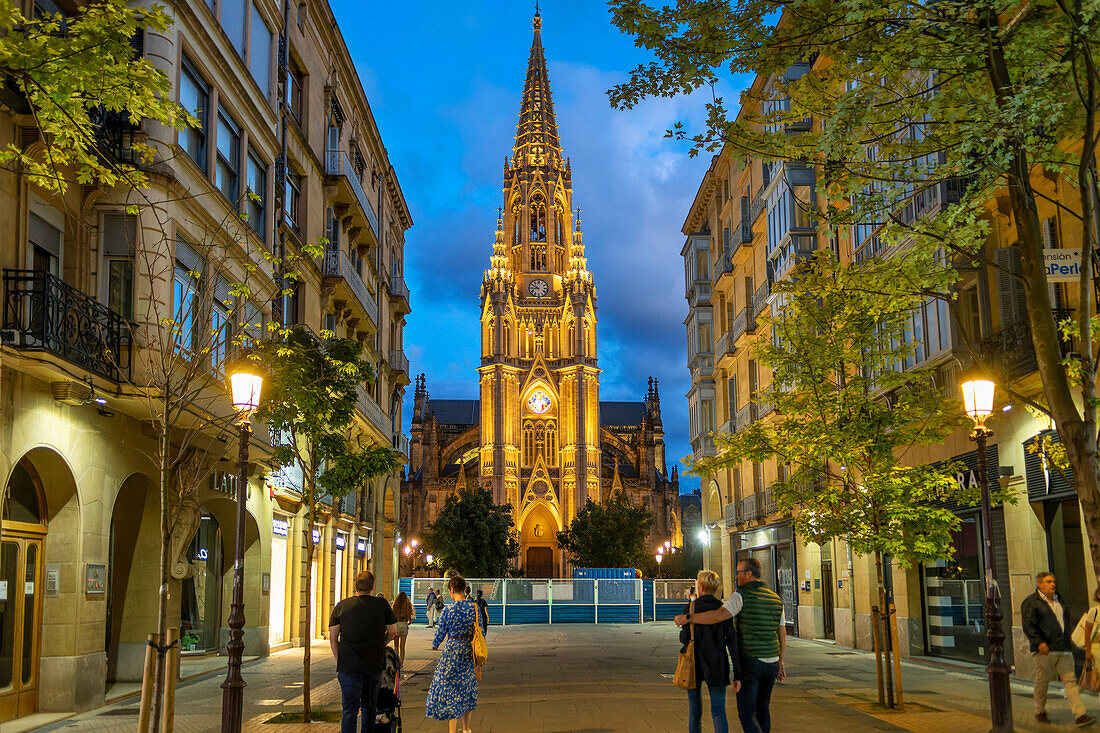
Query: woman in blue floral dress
point(453, 693)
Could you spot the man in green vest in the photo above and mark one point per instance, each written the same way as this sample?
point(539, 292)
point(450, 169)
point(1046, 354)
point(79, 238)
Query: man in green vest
point(761, 639)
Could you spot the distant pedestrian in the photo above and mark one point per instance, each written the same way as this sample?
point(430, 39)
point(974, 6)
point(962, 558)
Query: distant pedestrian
point(1092, 637)
point(1046, 624)
point(761, 643)
point(483, 610)
point(359, 629)
point(453, 692)
point(432, 602)
point(403, 611)
point(712, 665)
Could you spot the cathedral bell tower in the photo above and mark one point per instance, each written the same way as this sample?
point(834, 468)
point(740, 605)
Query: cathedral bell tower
point(539, 379)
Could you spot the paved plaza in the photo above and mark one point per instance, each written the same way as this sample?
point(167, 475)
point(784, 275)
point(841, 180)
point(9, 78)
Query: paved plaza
point(599, 679)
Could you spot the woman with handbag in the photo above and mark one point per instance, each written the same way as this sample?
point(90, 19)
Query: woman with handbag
point(453, 692)
point(715, 646)
point(1090, 641)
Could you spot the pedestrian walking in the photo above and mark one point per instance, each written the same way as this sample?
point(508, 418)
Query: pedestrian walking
point(761, 642)
point(359, 629)
point(1091, 637)
point(483, 612)
point(432, 602)
point(403, 612)
point(1046, 624)
point(712, 664)
point(453, 692)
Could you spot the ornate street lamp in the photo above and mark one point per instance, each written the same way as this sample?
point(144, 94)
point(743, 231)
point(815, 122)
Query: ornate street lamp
point(658, 557)
point(978, 399)
point(245, 381)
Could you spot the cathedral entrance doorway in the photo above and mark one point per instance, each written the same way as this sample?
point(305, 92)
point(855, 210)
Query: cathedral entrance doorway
point(540, 562)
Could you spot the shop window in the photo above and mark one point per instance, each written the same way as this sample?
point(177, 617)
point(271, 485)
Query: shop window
point(200, 603)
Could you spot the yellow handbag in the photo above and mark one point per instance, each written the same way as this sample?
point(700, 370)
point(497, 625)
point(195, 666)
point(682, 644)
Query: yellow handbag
point(478, 645)
point(685, 665)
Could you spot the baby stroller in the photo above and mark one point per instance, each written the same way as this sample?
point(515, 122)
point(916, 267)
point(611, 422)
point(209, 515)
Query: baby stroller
point(387, 717)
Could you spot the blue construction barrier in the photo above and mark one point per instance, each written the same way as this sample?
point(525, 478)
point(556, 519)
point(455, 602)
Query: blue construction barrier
point(604, 600)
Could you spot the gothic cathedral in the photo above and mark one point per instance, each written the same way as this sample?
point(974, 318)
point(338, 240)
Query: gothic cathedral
point(539, 437)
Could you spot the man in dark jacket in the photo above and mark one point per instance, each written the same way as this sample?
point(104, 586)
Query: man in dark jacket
point(712, 665)
point(358, 631)
point(1047, 626)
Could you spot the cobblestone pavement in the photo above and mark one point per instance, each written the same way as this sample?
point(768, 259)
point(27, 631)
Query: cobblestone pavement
point(598, 679)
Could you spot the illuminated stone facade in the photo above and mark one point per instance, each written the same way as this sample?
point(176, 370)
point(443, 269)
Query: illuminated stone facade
point(539, 437)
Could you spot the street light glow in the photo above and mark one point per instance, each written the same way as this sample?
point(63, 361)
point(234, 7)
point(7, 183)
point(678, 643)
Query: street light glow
point(246, 384)
point(429, 559)
point(978, 398)
point(658, 557)
point(704, 536)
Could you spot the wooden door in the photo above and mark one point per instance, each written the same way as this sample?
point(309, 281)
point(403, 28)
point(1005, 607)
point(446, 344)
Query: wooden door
point(540, 562)
point(20, 623)
point(827, 605)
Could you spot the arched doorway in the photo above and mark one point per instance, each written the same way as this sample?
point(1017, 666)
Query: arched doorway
point(539, 543)
point(21, 591)
point(132, 572)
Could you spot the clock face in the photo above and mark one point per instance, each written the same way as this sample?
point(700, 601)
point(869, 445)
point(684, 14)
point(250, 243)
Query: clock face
point(538, 402)
point(538, 288)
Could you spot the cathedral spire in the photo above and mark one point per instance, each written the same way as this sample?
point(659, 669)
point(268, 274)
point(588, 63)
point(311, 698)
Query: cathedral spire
point(537, 142)
point(578, 263)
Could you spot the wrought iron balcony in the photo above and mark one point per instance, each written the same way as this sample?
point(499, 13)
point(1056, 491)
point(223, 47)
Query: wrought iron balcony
point(400, 292)
point(746, 232)
point(732, 513)
point(737, 328)
point(337, 164)
point(760, 298)
point(401, 444)
point(115, 134)
point(751, 508)
point(44, 313)
point(770, 506)
point(1010, 352)
point(399, 363)
point(373, 413)
point(338, 265)
point(744, 416)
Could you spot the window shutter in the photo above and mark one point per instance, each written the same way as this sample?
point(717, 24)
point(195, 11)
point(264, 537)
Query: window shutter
point(1010, 291)
point(119, 235)
point(45, 235)
point(187, 256)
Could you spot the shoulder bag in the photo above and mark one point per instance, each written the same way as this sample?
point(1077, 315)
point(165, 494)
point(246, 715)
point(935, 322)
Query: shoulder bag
point(685, 665)
point(477, 645)
point(1078, 635)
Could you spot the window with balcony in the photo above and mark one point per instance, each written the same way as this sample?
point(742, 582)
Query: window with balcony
point(118, 247)
point(195, 98)
point(229, 156)
point(293, 198)
point(259, 52)
point(256, 204)
point(295, 90)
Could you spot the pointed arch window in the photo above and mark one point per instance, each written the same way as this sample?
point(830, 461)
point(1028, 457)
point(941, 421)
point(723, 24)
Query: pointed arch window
point(538, 219)
point(551, 452)
point(538, 257)
point(528, 442)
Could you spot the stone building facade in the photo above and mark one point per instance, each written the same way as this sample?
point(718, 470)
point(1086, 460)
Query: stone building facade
point(286, 136)
point(539, 437)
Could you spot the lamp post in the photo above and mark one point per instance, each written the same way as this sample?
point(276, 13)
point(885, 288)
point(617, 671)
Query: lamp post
point(978, 398)
point(658, 557)
point(245, 383)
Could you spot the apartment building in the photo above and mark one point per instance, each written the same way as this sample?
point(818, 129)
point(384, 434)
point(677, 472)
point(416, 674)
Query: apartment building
point(286, 154)
point(744, 232)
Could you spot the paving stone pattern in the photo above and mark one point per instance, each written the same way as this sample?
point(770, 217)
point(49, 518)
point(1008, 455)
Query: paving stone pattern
point(599, 679)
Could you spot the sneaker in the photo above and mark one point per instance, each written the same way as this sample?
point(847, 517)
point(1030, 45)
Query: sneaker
point(1041, 718)
point(1084, 721)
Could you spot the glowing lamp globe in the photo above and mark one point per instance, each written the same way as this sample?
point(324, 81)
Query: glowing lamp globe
point(246, 385)
point(978, 399)
point(658, 557)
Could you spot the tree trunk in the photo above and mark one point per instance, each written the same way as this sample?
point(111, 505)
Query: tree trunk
point(887, 643)
point(162, 593)
point(306, 711)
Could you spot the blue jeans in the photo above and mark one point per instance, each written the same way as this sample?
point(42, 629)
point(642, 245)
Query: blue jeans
point(755, 696)
point(358, 693)
point(717, 709)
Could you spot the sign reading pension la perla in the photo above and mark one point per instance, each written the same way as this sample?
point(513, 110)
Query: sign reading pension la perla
point(1063, 264)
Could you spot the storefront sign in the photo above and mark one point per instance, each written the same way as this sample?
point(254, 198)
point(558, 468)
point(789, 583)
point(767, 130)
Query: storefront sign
point(361, 546)
point(316, 536)
point(224, 482)
point(280, 527)
point(341, 542)
point(1063, 264)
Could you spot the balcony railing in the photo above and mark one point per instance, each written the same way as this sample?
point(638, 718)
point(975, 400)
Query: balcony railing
point(731, 513)
point(401, 444)
point(337, 163)
point(745, 416)
point(746, 232)
point(1010, 352)
point(724, 345)
point(115, 134)
point(338, 264)
point(760, 298)
point(770, 506)
point(398, 361)
point(375, 414)
point(751, 508)
point(44, 313)
point(399, 291)
point(737, 328)
point(723, 265)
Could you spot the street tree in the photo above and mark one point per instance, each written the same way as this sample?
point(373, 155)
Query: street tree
point(847, 416)
point(472, 535)
point(610, 535)
point(993, 102)
point(309, 398)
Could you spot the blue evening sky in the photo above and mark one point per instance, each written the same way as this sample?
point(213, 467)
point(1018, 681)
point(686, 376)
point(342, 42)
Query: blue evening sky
point(444, 80)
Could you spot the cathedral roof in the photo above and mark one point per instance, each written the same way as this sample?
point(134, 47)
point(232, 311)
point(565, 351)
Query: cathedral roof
point(621, 413)
point(456, 412)
point(537, 138)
